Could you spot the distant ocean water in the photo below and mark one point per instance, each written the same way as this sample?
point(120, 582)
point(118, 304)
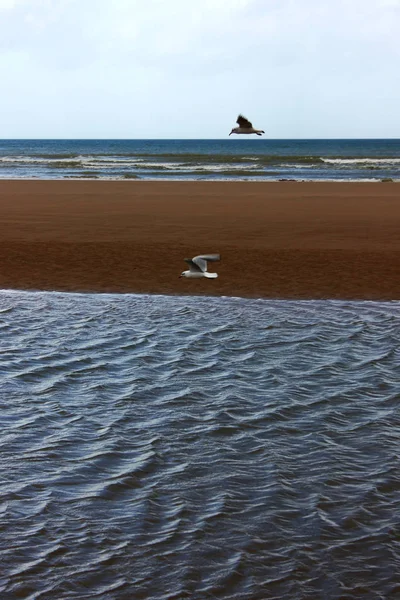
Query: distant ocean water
point(230, 159)
point(166, 448)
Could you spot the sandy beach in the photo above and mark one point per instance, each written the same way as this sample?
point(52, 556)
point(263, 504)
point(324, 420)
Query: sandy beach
point(277, 240)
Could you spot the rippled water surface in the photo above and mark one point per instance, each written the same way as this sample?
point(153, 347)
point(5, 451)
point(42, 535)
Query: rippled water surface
point(166, 448)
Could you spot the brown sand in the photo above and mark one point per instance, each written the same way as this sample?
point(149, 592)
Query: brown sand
point(277, 240)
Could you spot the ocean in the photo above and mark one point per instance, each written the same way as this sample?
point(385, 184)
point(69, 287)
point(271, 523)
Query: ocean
point(168, 448)
point(228, 159)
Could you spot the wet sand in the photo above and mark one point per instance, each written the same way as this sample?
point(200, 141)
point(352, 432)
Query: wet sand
point(277, 240)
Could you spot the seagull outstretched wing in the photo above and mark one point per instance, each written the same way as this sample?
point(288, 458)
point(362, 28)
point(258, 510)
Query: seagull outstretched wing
point(243, 122)
point(199, 263)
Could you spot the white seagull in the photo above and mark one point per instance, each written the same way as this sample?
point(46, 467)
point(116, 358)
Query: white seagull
point(198, 266)
point(245, 127)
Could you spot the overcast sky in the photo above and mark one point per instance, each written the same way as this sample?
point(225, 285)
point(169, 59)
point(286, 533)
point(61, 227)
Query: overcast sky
point(186, 68)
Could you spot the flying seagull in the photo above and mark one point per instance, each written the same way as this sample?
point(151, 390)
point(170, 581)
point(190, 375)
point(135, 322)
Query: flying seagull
point(198, 266)
point(245, 126)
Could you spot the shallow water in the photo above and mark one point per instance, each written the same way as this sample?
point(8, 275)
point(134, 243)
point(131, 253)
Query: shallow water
point(166, 447)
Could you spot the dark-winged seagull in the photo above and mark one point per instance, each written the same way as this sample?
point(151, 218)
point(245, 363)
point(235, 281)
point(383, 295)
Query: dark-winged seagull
point(198, 266)
point(245, 127)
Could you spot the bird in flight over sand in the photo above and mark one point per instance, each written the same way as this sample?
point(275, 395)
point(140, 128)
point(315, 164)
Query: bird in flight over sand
point(245, 126)
point(198, 266)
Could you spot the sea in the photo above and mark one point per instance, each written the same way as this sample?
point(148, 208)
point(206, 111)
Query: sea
point(194, 448)
point(167, 448)
point(234, 159)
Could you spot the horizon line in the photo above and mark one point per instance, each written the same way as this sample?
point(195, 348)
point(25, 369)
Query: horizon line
point(198, 139)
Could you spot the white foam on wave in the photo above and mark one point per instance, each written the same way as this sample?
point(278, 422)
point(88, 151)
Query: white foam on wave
point(367, 161)
point(170, 166)
point(39, 160)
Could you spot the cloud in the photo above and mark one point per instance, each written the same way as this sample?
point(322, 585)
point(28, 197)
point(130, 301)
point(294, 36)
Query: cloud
point(314, 67)
point(7, 4)
point(148, 31)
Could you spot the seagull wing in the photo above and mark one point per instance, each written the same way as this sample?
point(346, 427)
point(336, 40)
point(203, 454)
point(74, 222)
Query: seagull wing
point(243, 122)
point(194, 268)
point(201, 260)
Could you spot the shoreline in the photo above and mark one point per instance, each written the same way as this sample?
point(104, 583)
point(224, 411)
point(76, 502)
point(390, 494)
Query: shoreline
point(279, 240)
point(200, 180)
point(200, 297)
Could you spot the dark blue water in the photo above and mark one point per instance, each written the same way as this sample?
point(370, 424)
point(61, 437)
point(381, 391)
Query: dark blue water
point(195, 448)
point(237, 159)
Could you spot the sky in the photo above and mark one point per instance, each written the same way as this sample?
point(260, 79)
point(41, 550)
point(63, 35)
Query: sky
point(185, 69)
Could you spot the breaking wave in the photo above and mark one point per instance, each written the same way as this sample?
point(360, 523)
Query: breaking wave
point(199, 159)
